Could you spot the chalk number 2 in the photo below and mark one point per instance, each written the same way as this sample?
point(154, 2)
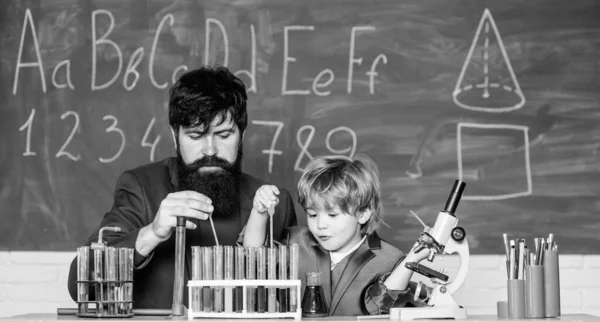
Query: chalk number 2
point(62, 152)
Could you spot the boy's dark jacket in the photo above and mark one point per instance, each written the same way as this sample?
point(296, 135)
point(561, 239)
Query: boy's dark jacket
point(359, 290)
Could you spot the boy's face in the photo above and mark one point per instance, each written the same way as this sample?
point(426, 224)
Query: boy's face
point(334, 229)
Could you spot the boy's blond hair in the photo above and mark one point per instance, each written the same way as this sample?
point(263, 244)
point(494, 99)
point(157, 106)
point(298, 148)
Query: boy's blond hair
point(353, 185)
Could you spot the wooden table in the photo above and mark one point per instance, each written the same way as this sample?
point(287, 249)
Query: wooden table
point(43, 317)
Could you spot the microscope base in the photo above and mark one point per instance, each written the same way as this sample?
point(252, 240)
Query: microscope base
point(413, 313)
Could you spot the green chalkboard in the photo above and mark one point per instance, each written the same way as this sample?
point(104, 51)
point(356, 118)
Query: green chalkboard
point(501, 94)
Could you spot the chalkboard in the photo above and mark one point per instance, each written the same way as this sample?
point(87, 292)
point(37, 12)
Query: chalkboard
point(502, 94)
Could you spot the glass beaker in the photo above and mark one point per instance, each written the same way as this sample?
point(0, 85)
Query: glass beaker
point(313, 301)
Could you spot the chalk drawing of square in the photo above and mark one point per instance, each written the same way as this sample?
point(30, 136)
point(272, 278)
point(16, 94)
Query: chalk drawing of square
point(524, 129)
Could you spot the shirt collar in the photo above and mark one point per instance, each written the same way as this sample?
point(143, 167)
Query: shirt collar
point(337, 257)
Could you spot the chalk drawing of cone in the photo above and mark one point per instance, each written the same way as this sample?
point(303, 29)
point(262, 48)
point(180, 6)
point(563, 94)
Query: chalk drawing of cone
point(487, 82)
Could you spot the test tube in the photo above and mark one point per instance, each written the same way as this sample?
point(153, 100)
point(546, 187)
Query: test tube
point(261, 274)
point(283, 275)
point(207, 271)
point(122, 285)
point(98, 275)
point(272, 275)
point(294, 276)
point(228, 250)
point(196, 275)
point(83, 275)
point(239, 275)
point(129, 292)
point(250, 275)
point(110, 265)
point(218, 275)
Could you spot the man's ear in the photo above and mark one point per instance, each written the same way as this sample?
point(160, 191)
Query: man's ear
point(364, 216)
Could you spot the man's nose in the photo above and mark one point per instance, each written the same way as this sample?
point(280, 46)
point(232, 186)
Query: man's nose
point(209, 148)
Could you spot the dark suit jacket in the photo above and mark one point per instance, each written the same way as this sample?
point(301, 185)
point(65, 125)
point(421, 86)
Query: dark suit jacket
point(138, 195)
point(371, 260)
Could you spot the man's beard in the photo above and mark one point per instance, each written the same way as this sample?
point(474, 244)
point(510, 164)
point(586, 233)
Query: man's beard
point(220, 185)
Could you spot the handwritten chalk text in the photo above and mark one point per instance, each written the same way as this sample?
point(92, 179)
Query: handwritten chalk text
point(130, 71)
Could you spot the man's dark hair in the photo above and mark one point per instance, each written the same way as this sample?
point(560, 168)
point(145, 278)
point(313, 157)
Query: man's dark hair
point(202, 94)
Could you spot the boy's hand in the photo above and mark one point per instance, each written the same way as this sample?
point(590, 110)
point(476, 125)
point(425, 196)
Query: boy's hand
point(265, 198)
point(417, 257)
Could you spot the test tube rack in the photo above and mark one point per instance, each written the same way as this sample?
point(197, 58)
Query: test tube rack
point(106, 308)
point(292, 285)
point(106, 290)
point(238, 282)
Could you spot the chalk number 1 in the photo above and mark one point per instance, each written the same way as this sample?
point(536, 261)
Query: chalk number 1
point(27, 126)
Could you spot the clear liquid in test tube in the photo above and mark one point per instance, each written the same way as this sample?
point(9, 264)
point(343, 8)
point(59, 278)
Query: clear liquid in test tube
point(99, 277)
point(261, 274)
point(196, 275)
point(83, 274)
point(250, 275)
point(283, 275)
point(240, 271)
point(229, 275)
point(128, 292)
point(218, 275)
point(272, 275)
point(294, 262)
point(111, 263)
point(122, 254)
point(207, 272)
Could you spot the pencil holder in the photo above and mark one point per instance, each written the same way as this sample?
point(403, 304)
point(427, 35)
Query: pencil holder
point(534, 291)
point(516, 299)
point(551, 284)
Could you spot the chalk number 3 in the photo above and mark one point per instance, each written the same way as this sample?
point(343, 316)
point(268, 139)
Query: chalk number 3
point(113, 128)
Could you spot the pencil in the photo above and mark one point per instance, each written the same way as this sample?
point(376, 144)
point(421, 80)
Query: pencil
point(520, 270)
point(506, 246)
point(511, 273)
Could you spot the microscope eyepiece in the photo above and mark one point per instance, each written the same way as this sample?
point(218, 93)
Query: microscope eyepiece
point(454, 198)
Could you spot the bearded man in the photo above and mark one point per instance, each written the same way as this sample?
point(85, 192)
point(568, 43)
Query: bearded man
point(207, 113)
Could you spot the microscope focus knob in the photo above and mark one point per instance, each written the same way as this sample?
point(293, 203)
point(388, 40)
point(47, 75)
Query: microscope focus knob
point(458, 234)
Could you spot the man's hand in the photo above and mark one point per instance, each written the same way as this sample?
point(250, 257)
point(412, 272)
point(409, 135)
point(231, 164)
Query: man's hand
point(265, 198)
point(189, 204)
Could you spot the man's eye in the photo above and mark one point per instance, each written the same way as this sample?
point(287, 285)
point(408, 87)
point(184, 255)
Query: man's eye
point(224, 136)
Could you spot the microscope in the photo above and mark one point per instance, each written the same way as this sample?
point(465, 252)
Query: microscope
point(445, 238)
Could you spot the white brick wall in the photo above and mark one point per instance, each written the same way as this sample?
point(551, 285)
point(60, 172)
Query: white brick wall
point(36, 282)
